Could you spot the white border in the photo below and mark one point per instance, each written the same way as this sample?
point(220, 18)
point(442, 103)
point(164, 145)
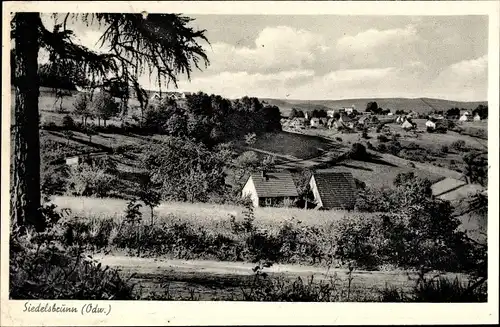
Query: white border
point(136, 313)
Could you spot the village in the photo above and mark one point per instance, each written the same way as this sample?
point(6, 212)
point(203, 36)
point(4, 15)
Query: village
point(254, 179)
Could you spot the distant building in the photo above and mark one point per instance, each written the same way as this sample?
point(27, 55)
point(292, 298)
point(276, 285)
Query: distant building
point(430, 124)
point(267, 189)
point(314, 122)
point(464, 117)
point(330, 113)
point(477, 117)
point(349, 110)
point(390, 114)
point(346, 121)
point(407, 125)
point(333, 190)
point(367, 120)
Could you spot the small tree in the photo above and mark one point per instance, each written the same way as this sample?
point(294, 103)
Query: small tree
point(90, 131)
point(68, 122)
point(104, 107)
point(68, 135)
point(149, 195)
point(82, 107)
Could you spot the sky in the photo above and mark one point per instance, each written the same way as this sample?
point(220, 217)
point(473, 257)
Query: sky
point(320, 57)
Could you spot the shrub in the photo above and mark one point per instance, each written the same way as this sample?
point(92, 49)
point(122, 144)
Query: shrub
point(339, 139)
point(42, 267)
point(458, 145)
point(85, 180)
point(358, 152)
point(434, 290)
point(394, 147)
point(381, 147)
point(382, 138)
point(444, 149)
point(68, 122)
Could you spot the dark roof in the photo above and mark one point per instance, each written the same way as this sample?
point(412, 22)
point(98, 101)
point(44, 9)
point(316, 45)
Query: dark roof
point(274, 184)
point(336, 189)
point(346, 119)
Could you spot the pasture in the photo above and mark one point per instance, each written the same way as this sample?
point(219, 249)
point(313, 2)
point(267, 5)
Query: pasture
point(200, 214)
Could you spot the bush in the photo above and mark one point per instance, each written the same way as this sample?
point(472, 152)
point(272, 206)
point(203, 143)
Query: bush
point(382, 138)
point(381, 147)
point(358, 152)
point(445, 149)
point(85, 180)
point(394, 147)
point(339, 139)
point(43, 267)
point(458, 145)
point(68, 122)
point(436, 290)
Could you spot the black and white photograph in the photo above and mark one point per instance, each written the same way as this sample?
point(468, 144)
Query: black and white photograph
point(177, 156)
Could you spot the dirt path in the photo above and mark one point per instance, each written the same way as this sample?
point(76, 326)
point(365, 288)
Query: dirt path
point(205, 280)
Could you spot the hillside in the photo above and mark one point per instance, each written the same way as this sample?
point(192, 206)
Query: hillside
point(420, 105)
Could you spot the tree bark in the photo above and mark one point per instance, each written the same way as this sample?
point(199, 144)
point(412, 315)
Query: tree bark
point(25, 198)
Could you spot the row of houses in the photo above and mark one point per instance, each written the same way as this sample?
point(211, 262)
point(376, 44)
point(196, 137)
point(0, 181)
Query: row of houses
point(331, 190)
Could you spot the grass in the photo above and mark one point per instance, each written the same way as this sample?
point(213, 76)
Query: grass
point(203, 214)
point(292, 145)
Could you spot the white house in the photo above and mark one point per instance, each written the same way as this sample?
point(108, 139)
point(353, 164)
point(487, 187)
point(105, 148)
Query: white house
point(349, 110)
point(430, 124)
point(407, 125)
point(330, 113)
point(268, 189)
point(464, 117)
point(477, 117)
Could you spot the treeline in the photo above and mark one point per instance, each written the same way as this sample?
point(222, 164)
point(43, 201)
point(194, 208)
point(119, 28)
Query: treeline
point(212, 119)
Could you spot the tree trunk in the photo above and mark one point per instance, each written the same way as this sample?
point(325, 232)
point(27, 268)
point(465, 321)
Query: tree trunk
point(26, 169)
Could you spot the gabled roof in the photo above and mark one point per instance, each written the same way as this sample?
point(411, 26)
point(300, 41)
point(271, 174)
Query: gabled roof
point(336, 189)
point(274, 184)
point(446, 185)
point(345, 119)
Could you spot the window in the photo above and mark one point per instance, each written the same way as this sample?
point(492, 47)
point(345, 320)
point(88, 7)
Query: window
point(268, 201)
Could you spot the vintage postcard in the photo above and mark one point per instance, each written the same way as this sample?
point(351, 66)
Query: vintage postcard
point(200, 163)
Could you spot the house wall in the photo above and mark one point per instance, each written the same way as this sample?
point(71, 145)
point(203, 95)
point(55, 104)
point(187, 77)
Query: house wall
point(314, 189)
point(72, 161)
point(249, 189)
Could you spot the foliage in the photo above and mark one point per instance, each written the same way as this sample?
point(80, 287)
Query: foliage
point(186, 170)
point(481, 110)
point(88, 180)
point(358, 152)
point(68, 122)
point(458, 145)
point(372, 107)
point(436, 289)
point(445, 149)
point(296, 113)
point(82, 106)
point(382, 138)
point(103, 106)
point(149, 195)
point(43, 266)
point(453, 112)
point(476, 167)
